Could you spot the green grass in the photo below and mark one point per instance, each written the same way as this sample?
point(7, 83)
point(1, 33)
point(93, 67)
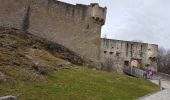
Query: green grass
point(79, 84)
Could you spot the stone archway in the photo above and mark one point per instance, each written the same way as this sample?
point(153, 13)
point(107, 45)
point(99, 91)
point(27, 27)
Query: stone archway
point(136, 63)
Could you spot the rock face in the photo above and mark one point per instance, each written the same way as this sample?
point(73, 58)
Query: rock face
point(76, 27)
point(31, 56)
point(12, 40)
point(8, 98)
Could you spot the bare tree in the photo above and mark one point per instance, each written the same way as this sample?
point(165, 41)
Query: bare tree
point(164, 60)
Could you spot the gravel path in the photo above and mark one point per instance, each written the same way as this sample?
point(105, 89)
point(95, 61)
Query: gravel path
point(161, 95)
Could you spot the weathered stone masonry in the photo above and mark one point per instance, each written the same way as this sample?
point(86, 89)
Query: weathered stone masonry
point(77, 27)
point(116, 54)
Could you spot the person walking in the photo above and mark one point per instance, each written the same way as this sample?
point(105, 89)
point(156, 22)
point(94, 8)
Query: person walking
point(149, 74)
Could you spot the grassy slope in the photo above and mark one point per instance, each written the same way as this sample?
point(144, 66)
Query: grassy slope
point(31, 72)
point(80, 84)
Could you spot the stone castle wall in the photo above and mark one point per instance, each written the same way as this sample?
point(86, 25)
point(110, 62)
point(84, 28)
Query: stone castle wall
point(77, 27)
point(116, 54)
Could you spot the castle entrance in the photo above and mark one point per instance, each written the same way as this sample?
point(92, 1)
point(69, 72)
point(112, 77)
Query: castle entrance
point(136, 63)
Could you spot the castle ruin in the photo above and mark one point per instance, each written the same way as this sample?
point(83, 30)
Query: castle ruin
point(117, 54)
point(77, 27)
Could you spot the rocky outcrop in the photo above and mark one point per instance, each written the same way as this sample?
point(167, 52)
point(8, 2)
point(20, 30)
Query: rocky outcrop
point(32, 56)
point(8, 98)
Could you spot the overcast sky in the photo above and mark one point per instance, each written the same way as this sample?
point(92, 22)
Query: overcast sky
point(145, 20)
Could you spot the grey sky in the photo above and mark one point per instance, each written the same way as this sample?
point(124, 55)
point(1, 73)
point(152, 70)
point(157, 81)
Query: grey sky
point(145, 20)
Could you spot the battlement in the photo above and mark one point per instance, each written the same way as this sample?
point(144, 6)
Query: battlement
point(94, 11)
point(98, 13)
